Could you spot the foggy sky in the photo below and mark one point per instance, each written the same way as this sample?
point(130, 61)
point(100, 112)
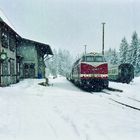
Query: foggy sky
point(70, 24)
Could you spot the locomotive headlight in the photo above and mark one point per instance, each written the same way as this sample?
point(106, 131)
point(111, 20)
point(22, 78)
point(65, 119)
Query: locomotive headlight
point(86, 75)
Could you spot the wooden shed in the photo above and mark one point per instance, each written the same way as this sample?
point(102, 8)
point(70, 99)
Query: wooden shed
point(31, 58)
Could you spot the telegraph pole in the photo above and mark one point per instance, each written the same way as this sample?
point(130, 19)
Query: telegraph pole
point(103, 39)
point(85, 49)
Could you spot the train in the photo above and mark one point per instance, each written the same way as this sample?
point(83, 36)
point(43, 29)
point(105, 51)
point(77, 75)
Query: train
point(90, 71)
point(123, 73)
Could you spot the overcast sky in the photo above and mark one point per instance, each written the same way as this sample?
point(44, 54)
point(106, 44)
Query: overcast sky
point(70, 24)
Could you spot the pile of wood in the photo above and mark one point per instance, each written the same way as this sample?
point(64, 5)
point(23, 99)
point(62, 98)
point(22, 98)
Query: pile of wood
point(46, 83)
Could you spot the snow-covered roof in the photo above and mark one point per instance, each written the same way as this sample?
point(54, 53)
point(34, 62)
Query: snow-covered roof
point(5, 19)
point(41, 47)
point(44, 48)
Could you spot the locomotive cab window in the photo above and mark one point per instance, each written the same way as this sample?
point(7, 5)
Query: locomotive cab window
point(99, 59)
point(88, 59)
point(93, 59)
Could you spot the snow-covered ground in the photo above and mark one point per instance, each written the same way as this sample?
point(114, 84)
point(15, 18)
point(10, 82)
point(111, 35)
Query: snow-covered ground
point(29, 111)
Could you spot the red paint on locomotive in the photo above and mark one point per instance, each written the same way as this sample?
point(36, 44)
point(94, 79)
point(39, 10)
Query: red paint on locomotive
point(91, 69)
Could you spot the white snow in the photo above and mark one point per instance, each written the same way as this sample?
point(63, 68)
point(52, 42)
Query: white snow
point(29, 111)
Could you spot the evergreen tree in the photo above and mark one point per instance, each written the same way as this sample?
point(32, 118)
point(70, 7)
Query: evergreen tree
point(114, 57)
point(123, 51)
point(108, 55)
point(60, 63)
point(67, 62)
point(51, 64)
point(137, 71)
point(133, 49)
point(129, 53)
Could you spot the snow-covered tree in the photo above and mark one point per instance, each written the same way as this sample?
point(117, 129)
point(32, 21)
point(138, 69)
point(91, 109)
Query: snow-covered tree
point(114, 57)
point(129, 55)
point(67, 62)
point(64, 62)
point(108, 55)
point(133, 49)
point(137, 71)
point(60, 63)
point(51, 64)
point(123, 51)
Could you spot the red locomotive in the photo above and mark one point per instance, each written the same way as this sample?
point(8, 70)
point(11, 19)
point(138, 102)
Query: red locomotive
point(90, 71)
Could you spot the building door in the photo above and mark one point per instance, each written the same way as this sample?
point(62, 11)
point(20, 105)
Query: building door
point(29, 70)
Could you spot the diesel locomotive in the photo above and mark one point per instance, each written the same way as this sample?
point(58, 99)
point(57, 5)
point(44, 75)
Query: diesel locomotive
point(90, 72)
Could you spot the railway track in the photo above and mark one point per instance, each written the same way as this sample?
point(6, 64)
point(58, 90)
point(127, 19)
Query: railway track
point(126, 105)
point(113, 96)
point(114, 89)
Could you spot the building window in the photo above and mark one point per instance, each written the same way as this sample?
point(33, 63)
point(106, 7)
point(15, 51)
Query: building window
point(18, 68)
point(5, 68)
point(4, 38)
point(12, 42)
point(12, 67)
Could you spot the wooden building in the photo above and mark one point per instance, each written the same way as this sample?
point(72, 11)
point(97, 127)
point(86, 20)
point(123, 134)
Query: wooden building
point(31, 58)
point(19, 57)
point(8, 46)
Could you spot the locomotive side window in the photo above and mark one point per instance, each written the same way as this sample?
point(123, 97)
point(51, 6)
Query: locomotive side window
point(83, 59)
